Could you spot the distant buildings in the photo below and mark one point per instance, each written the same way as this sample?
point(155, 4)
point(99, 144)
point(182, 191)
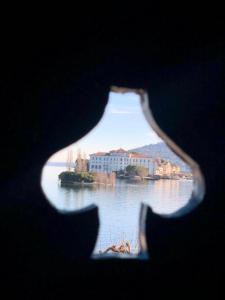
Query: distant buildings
point(116, 160)
point(166, 169)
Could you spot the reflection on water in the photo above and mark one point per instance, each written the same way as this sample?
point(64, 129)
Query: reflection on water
point(119, 205)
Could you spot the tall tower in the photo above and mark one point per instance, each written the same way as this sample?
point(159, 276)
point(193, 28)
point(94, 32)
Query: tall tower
point(69, 159)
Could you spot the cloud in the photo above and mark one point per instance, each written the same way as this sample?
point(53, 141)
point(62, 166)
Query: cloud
point(123, 110)
point(120, 111)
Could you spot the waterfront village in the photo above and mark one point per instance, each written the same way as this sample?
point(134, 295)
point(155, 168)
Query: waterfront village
point(106, 167)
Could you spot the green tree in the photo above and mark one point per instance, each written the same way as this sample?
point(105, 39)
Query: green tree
point(131, 170)
point(136, 170)
point(141, 171)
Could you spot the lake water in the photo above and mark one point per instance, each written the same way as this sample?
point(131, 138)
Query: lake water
point(119, 206)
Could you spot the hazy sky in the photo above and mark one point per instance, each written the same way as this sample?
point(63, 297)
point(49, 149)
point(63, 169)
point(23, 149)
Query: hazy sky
point(123, 125)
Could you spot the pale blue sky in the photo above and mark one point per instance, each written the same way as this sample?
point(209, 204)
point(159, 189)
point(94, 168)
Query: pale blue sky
point(123, 125)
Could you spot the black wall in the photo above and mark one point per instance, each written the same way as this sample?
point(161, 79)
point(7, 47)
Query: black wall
point(54, 87)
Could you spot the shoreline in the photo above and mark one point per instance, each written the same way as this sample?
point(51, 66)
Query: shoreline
point(95, 183)
point(76, 183)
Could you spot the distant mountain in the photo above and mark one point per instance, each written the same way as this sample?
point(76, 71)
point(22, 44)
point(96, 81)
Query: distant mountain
point(58, 164)
point(162, 150)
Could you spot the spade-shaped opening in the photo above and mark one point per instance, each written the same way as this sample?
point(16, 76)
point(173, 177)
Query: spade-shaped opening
point(123, 165)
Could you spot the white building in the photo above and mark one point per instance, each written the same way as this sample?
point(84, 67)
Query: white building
point(116, 160)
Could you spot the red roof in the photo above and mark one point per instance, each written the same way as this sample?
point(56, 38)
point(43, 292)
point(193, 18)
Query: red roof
point(99, 153)
point(120, 150)
point(138, 155)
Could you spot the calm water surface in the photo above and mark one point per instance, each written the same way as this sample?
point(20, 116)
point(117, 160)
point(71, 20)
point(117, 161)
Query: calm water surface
point(119, 206)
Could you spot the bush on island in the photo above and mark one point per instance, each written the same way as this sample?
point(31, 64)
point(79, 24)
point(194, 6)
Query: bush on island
point(69, 176)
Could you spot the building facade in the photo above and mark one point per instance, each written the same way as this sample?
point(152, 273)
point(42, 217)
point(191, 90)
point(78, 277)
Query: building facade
point(116, 160)
point(166, 169)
